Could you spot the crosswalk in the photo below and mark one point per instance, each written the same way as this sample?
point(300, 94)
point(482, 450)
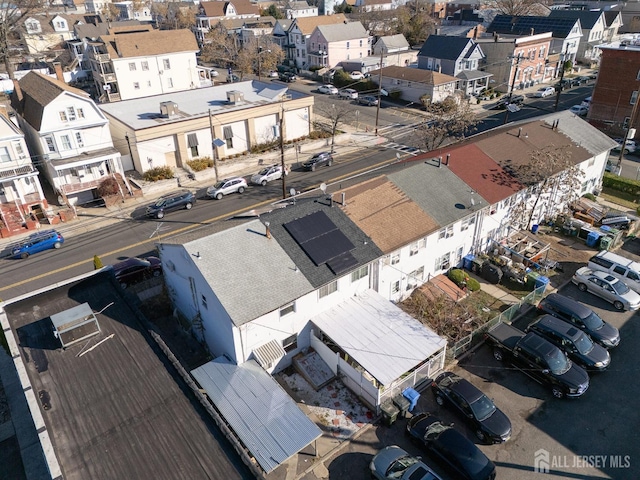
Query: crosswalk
point(402, 148)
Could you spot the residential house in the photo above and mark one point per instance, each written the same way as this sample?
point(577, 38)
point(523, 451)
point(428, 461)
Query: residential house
point(459, 57)
point(298, 9)
point(279, 34)
point(299, 32)
point(394, 50)
point(210, 13)
point(594, 27)
point(416, 85)
point(517, 61)
point(128, 10)
point(615, 95)
point(374, 5)
point(175, 128)
point(69, 135)
point(565, 39)
point(137, 64)
point(613, 21)
point(21, 196)
point(324, 272)
point(40, 33)
point(329, 45)
point(256, 28)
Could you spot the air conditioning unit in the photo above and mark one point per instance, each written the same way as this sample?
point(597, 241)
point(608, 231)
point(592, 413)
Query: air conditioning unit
point(168, 109)
point(235, 97)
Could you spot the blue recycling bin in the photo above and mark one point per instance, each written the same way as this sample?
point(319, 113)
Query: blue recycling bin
point(593, 238)
point(541, 280)
point(467, 261)
point(411, 395)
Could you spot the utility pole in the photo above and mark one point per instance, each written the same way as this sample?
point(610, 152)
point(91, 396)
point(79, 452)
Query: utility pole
point(564, 59)
point(259, 66)
point(513, 84)
point(282, 165)
point(379, 88)
point(213, 147)
point(630, 128)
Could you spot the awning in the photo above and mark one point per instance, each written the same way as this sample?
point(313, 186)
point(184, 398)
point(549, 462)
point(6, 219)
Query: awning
point(383, 339)
point(258, 410)
point(192, 140)
point(269, 353)
point(227, 133)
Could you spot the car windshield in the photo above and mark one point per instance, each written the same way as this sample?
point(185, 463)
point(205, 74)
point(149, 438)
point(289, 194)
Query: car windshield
point(264, 171)
point(159, 203)
point(483, 408)
point(558, 362)
point(396, 469)
point(593, 322)
point(583, 344)
point(218, 185)
point(620, 288)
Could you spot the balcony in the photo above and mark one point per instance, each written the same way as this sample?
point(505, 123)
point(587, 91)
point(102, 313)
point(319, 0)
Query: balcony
point(70, 188)
point(107, 77)
point(113, 97)
point(102, 57)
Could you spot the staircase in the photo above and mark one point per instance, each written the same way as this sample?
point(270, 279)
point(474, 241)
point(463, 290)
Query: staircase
point(11, 219)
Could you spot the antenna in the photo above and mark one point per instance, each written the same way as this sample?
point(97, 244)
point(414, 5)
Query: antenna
point(323, 187)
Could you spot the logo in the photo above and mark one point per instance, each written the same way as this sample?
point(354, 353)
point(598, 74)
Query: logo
point(541, 461)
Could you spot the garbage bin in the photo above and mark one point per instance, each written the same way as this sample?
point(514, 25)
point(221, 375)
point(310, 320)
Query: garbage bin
point(389, 413)
point(605, 242)
point(403, 405)
point(467, 261)
point(541, 280)
point(593, 238)
point(532, 278)
point(491, 273)
point(476, 265)
point(411, 395)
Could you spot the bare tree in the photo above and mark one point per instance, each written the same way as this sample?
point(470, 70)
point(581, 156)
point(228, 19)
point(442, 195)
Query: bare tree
point(414, 21)
point(12, 14)
point(330, 116)
point(451, 119)
point(552, 181)
point(219, 47)
point(518, 7)
point(258, 56)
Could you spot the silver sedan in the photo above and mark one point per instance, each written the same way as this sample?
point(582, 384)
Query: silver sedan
point(608, 287)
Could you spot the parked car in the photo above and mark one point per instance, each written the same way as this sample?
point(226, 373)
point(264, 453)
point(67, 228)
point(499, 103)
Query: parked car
point(544, 92)
point(580, 110)
point(356, 75)
point(226, 187)
point(287, 77)
point(171, 202)
point(273, 74)
point(563, 84)
point(37, 242)
point(368, 100)
point(574, 342)
point(267, 174)
point(620, 267)
point(394, 463)
point(582, 317)
point(233, 78)
point(488, 422)
point(607, 287)
point(505, 100)
point(135, 270)
point(349, 93)
point(450, 448)
point(583, 79)
point(630, 145)
point(328, 89)
point(539, 359)
point(322, 158)
point(612, 168)
point(575, 81)
point(586, 102)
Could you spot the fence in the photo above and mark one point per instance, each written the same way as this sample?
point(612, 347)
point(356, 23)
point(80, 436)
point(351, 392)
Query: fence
point(467, 342)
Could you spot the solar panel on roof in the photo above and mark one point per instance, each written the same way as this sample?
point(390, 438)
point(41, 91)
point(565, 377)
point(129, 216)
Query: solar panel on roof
point(319, 237)
point(342, 263)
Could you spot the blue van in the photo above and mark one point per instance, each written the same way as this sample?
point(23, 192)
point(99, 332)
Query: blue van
point(37, 242)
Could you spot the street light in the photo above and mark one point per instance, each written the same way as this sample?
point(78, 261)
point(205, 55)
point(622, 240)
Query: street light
point(260, 51)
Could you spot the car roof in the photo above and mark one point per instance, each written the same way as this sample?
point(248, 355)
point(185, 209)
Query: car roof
point(607, 277)
point(566, 302)
point(539, 344)
point(457, 444)
point(129, 262)
point(560, 326)
point(464, 388)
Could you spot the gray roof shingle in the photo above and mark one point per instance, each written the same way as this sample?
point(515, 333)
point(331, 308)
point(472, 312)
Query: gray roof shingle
point(443, 46)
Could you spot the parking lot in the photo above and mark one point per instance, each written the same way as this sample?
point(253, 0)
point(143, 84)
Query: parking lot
point(595, 436)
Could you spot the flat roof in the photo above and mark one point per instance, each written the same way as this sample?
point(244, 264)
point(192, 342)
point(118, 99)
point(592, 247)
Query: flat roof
point(119, 410)
point(383, 339)
point(262, 414)
point(144, 112)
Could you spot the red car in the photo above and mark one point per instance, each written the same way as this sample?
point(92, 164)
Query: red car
point(135, 270)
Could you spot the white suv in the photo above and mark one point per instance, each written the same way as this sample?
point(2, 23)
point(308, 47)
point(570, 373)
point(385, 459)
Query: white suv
point(267, 174)
point(227, 186)
point(629, 147)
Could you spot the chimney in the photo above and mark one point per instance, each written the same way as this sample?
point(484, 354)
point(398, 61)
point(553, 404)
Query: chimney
point(475, 32)
point(448, 156)
point(331, 200)
point(532, 31)
point(57, 67)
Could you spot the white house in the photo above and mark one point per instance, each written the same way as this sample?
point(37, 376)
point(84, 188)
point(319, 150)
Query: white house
point(416, 85)
point(594, 30)
point(68, 134)
point(127, 10)
point(329, 45)
point(43, 33)
point(127, 65)
point(210, 13)
point(21, 194)
point(300, 29)
point(299, 9)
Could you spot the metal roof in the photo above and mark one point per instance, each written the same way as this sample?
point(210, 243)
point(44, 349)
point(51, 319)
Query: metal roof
point(383, 339)
point(260, 412)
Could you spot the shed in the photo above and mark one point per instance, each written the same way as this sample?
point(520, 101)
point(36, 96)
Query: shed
point(75, 324)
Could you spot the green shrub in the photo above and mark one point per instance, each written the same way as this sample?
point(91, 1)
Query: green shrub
point(462, 279)
point(199, 164)
point(109, 186)
point(473, 284)
point(621, 184)
point(589, 196)
point(158, 173)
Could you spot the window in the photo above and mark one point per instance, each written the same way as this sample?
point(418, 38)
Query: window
point(347, 45)
point(414, 278)
point(395, 287)
point(395, 258)
point(167, 64)
point(170, 82)
point(360, 273)
point(417, 246)
point(66, 143)
point(144, 65)
point(50, 145)
point(360, 42)
point(443, 262)
point(445, 233)
point(79, 140)
point(80, 112)
point(71, 113)
point(136, 85)
point(634, 97)
point(194, 151)
point(63, 116)
point(328, 289)
point(287, 309)
point(228, 136)
point(204, 302)
point(132, 67)
point(148, 83)
point(17, 146)
point(290, 343)
point(467, 223)
point(4, 154)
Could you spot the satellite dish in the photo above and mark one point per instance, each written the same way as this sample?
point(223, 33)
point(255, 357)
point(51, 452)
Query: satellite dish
point(323, 187)
point(292, 192)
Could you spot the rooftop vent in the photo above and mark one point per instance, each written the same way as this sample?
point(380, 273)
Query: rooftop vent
point(235, 97)
point(168, 109)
